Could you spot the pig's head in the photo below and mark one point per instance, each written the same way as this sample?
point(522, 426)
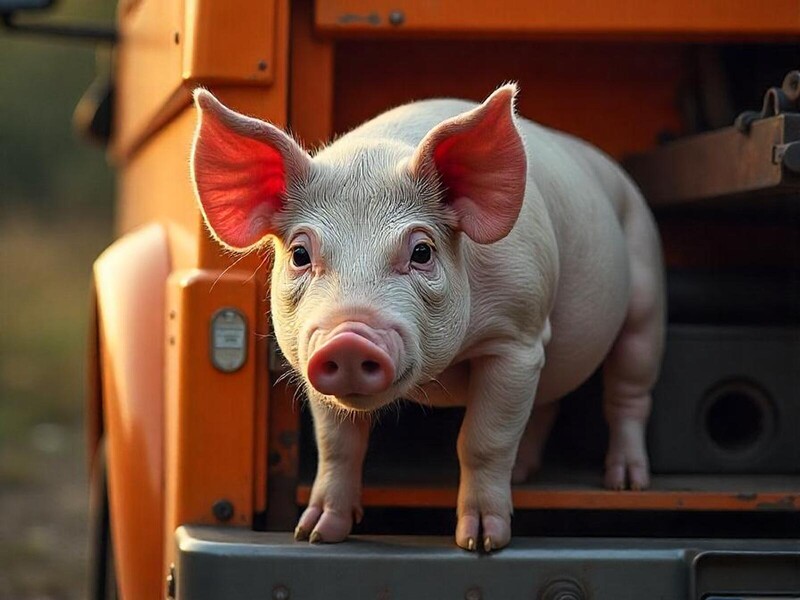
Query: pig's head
point(370, 294)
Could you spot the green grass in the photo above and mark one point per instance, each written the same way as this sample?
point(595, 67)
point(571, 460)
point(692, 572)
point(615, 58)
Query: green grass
point(45, 265)
point(45, 268)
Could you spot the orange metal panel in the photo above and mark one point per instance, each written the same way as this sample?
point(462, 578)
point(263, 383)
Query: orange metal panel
point(155, 186)
point(231, 41)
point(169, 48)
point(617, 95)
point(210, 415)
point(149, 59)
point(544, 498)
point(129, 278)
point(681, 18)
point(312, 75)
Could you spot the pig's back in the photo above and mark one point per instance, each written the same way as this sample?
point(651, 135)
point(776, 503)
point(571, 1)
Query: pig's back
point(406, 124)
point(568, 240)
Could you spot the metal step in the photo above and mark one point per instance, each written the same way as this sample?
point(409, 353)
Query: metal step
point(226, 563)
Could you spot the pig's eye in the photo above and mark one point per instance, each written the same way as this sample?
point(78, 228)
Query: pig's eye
point(422, 253)
point(300, 257)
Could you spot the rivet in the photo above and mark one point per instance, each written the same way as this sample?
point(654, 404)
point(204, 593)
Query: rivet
point(262, 65)
point(280, 592)
point(223, 510)
point(473, 593)
point(173, 313)
point(397, 17)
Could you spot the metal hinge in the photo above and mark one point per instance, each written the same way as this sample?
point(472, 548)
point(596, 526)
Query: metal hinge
point(777, 101)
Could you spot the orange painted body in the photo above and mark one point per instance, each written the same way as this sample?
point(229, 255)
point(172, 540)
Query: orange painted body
point(130, 279)
point(682, 19)
point(182, 435)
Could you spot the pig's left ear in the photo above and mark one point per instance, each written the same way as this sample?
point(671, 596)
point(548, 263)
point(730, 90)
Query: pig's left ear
point(241, 168)
point(480, 158)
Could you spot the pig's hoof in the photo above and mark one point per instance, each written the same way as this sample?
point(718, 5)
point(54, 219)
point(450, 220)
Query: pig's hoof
point(323, 526)
point(633, 475)
point(496, 532)
point(626, 461)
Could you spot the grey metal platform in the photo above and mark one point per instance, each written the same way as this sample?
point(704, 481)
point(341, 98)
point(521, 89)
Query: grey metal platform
point(226, 563)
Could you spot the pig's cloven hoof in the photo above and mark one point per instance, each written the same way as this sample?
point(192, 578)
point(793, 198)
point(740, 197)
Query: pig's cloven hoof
point(324, 525)
point(496, 532)
point(620, 476)
point(626, 462)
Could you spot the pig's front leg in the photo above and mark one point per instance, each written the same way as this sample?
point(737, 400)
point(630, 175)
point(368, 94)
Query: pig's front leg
point(502, 388)
point(336, 495)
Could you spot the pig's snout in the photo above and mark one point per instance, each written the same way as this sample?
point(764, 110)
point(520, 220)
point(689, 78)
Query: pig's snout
point(348, 364)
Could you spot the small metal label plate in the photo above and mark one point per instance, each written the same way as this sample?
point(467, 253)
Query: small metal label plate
point(228, 340)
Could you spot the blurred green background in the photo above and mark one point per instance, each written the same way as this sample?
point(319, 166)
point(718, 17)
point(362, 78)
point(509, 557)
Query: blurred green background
point(56, 203)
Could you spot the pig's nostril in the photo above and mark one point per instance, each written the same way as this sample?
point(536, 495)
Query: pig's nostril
point(370, 367)
point(330, 367)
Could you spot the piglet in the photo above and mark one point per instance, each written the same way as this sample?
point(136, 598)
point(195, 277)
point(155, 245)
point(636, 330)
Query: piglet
point(447, 252)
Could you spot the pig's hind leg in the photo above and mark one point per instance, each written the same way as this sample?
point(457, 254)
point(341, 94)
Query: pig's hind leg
point(631, 368)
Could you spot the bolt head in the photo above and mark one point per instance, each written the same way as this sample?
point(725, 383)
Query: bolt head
point(397, 17)
point(473, 593)
point(223, 510)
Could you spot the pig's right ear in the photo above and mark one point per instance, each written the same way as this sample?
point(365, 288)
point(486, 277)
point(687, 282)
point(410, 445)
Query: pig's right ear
point(241, 168)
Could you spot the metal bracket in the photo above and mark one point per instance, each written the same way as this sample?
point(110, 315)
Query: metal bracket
point(776, 101)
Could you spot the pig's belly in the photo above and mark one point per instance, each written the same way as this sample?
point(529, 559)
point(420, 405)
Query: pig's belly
point(583, 333)
point(589, 312)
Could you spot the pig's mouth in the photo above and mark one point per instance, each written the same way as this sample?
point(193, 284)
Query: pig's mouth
point(373, 402)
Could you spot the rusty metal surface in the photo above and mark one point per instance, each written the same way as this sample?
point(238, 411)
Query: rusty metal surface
point(724, 164)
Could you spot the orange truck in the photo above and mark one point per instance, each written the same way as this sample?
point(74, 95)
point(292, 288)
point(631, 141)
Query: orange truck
point(201, 454)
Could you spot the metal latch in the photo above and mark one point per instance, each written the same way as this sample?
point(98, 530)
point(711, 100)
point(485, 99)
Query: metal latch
point(228, 340)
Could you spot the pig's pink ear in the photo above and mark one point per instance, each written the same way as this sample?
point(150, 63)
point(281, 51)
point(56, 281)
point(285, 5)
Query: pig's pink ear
point(241, 168)
point(480, 158)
